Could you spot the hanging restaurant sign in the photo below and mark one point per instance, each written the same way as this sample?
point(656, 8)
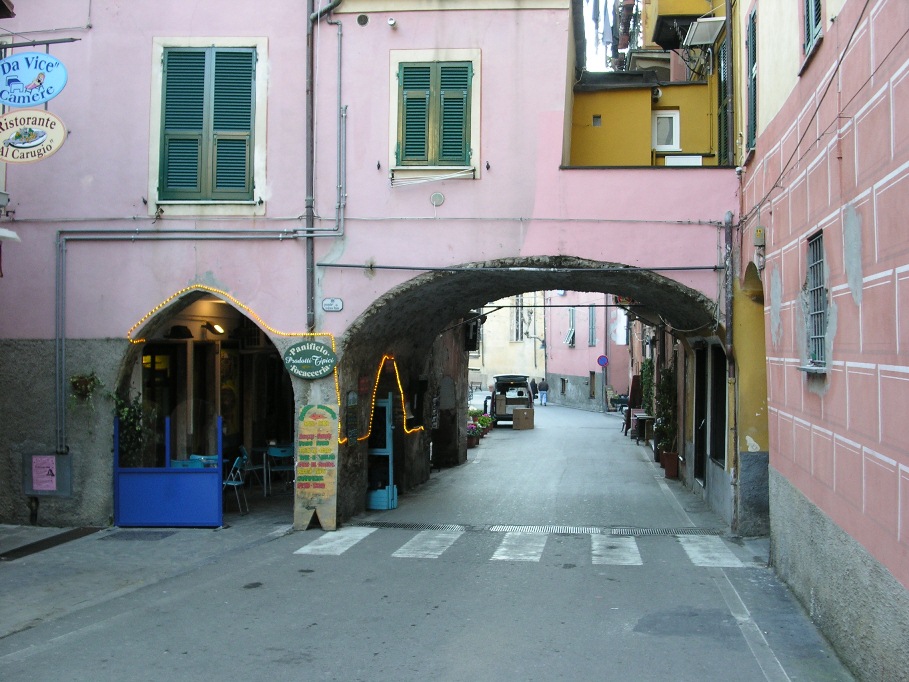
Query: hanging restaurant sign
point(310, 360)
point(30, 78)
point(30, 135)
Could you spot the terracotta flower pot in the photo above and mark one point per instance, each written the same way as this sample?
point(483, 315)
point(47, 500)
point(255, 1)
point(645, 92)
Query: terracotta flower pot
point(670, 463)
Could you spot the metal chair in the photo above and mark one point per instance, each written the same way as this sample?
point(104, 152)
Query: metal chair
point(278, 459)
point(250, 468)
point(235, 480)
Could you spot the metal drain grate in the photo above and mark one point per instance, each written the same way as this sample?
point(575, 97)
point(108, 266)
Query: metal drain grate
point(414, 526)
point(665, 531)
point(543, 530)
point(146, 535)
point(549, 530)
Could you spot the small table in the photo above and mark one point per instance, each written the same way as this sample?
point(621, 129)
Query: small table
point(642, 420)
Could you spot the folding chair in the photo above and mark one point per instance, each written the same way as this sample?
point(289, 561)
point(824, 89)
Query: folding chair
point(278, 459)
point(235, 480)
point(250, 468)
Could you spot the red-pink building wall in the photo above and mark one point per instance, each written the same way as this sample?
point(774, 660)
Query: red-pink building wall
point(836, 159)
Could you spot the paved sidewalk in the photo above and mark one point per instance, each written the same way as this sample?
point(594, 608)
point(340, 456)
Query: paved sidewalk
point(103, 564)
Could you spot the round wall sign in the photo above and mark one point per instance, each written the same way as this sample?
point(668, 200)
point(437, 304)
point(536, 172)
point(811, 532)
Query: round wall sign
point(602, 361)
point(30, 135)
point(30, 78)
point(310, 360)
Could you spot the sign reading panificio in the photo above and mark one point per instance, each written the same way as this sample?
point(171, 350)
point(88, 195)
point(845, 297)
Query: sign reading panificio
point(30, 78)
point(310, 360)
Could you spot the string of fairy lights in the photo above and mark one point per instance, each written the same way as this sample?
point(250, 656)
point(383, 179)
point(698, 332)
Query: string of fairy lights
point(254, 315)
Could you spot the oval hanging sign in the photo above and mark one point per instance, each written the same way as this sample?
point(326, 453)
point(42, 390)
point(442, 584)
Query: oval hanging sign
point(310, 360)
point(27, 136)
point(30, 78)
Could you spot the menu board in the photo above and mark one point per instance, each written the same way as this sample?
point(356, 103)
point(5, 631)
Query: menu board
point(315, 470)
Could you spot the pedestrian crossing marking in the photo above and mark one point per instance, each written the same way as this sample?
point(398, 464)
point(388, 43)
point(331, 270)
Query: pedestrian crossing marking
point(520, 547)
point(428, 544)
point(337, 542)
point(708, 551)
point(616, 551)
point(701, 550)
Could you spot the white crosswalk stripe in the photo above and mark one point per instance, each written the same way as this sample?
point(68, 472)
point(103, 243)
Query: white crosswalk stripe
point(708, 550)
point(428, 544)
point(337, 542)
point(616, 551)
point(612, 550)
point(521, 547)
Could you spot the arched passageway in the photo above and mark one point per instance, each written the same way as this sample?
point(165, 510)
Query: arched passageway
point(419, 324)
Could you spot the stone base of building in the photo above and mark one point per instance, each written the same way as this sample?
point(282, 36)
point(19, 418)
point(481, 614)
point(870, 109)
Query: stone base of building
point(855, 602)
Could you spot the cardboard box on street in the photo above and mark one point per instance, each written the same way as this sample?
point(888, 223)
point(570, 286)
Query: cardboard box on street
point(523, 418)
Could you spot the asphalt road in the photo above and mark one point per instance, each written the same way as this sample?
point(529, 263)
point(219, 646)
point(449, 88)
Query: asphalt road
point(558, 553)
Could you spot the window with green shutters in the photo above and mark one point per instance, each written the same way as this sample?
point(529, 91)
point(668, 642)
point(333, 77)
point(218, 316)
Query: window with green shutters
point(434, 114)
point(812, 23)
point(207, 124)
point(751, 48)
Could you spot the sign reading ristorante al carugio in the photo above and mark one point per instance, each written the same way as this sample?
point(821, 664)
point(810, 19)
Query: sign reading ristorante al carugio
point(30, 135)
point(310, 360)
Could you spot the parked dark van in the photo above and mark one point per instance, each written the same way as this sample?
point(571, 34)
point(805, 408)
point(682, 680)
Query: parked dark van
point(510, 391)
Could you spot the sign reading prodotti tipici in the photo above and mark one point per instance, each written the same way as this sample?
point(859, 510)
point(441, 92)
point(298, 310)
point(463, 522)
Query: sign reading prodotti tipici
point(310, 360)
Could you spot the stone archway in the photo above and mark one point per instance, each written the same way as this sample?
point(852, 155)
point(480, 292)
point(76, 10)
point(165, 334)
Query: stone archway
point(417, 323)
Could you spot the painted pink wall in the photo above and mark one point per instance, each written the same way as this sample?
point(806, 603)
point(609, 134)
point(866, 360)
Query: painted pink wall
point(524, 205)
point(843, 445)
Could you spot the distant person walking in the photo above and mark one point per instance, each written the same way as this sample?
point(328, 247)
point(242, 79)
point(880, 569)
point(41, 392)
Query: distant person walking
point(543, 387)
point(533, 389)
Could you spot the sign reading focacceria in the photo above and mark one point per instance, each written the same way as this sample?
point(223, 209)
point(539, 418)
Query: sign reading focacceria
point(310, 360)
point(30, 135)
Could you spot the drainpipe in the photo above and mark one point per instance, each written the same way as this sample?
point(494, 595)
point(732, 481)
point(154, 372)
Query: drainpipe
point(309, 214)
point(727, 224)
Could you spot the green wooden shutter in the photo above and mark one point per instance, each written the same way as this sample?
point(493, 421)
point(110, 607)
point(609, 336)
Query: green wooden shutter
point(752, 80)
point(183, 125)
point(232, 124)
point(416, 84)
point(454, 118)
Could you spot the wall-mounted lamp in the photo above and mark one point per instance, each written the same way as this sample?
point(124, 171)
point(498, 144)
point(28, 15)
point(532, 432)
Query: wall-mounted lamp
point(213, 328)
point(392, 23)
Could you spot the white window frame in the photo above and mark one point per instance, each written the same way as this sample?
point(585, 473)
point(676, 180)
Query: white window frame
point(397, 57)
point(252, 207)
point(517, 320)
point(569, 336)
point(674, 118)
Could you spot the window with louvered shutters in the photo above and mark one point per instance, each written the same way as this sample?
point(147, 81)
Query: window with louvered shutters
point(812, 23)
point(434, 114)
point(207, 133)
point(724, 156)
point(752, 80)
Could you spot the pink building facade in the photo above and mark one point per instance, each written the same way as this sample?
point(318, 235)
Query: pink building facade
point(825, 198)
point(587, 354)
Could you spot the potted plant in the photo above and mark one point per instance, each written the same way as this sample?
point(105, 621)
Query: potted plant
point(83, 386)
point(665, 430)
point(484, 421)
point(473, 437)
point(474, 413)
